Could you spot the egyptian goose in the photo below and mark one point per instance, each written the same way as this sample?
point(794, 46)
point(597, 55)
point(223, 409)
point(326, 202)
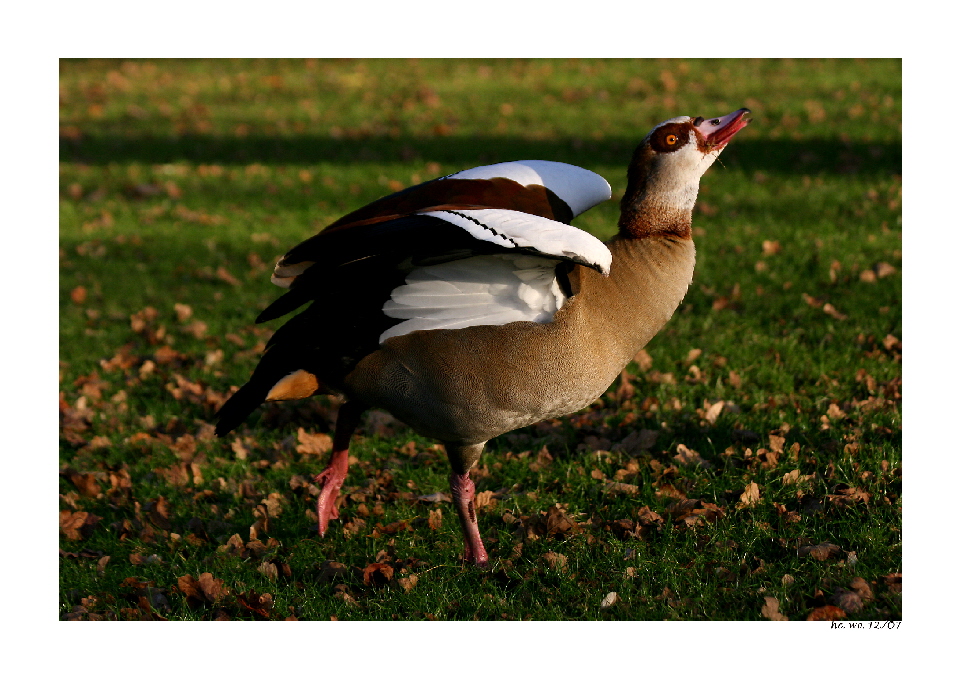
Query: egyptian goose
point(467, 306)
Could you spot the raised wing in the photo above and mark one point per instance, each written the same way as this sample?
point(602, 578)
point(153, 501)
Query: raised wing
point(520, 207)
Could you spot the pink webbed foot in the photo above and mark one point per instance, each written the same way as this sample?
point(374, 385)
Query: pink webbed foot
point(331, 479)
point(463, 491)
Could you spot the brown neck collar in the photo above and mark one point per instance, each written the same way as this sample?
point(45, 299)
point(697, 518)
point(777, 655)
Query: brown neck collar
point(640, 218)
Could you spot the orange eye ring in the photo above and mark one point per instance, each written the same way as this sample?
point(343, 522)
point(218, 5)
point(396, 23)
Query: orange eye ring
point(672, 139)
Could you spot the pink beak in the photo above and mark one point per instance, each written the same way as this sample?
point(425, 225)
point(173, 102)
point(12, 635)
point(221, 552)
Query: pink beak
point(718, 131)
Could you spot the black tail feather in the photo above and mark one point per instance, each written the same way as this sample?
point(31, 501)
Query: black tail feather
point(239, 406)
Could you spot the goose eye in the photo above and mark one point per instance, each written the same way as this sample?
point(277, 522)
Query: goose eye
point(672, 139)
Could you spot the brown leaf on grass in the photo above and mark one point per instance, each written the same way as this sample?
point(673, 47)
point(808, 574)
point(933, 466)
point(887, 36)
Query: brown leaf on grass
point(408, 583)
point(435, 519)
point(317, 444)
point(625, 391)
point(834, 312)
point(713, 411)
point(861, 588)
point(667, 490)
point(78, 295)
point(211, 587)
point(165, 356)
point(637, 441)
point(794, 477)
point(259, 605)
point(820, 551)
point(158, 512)
point(687, 456)
point(558, 522)
point(771, 609)
point(354, 526)
point(341, 591)
point(437, 497)
point(377, 574)
point(894, 582)
point(269, 569)
point(750, 496)
point(885, 269)
point(205, 590)
point(555, 560)
point(827, 613)
point(643, 360)
point(609, 600)
point(239, 450)
point(183, 311)
point(137, 559)
point(693, 511)
point(233, 546)
point(845, 495)
point(847, 600)
point(770, 247)
point(648, 519)
point(98, 442)
point(834, 412)
point(392, 528)
point(621, 487)
point(175, 475)
point(77, 526)
point(225, 275)
point(86, 483)
point(484, 499)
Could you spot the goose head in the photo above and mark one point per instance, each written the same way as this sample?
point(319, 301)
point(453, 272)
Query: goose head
point(664, 175)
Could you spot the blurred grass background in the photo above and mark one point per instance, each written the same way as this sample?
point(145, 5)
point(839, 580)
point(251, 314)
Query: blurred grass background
point(181, 182)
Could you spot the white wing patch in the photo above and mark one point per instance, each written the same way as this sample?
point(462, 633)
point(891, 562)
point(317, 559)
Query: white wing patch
point(579, 188)
point(515, 229)
point(477, 291)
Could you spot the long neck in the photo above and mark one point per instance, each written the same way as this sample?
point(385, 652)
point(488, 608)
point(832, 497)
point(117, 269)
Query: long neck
point(647, 282)
point(656, 204)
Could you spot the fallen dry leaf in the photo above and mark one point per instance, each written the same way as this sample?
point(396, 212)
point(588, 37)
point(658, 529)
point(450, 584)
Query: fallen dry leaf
point(847, 600)
point(750, 496)
point(609, 600)
point(861, 588)
point(556, 561)
point(770, 247)
point(621, 487)
point(437, 497)
point(435, 519)
point(258, 605)
point(313, 443)
point(408, 583)
point(558, 522)
point(713, 412)
point(77, 526)
point(377, 574)
point(687, 456)
point(826, 613)
point(771, 609)
point(820, 551)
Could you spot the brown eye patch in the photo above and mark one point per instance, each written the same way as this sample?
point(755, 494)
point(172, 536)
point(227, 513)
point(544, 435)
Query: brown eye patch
point(670, 138)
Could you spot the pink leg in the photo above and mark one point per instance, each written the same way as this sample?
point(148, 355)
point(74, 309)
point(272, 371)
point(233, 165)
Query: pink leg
point(331, 479)
point(463, 491)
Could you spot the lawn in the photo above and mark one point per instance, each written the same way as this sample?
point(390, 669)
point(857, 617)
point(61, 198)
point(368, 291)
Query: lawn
point(746, 466)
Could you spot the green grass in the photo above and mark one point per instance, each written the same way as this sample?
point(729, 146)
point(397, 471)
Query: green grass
point(182, 181)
